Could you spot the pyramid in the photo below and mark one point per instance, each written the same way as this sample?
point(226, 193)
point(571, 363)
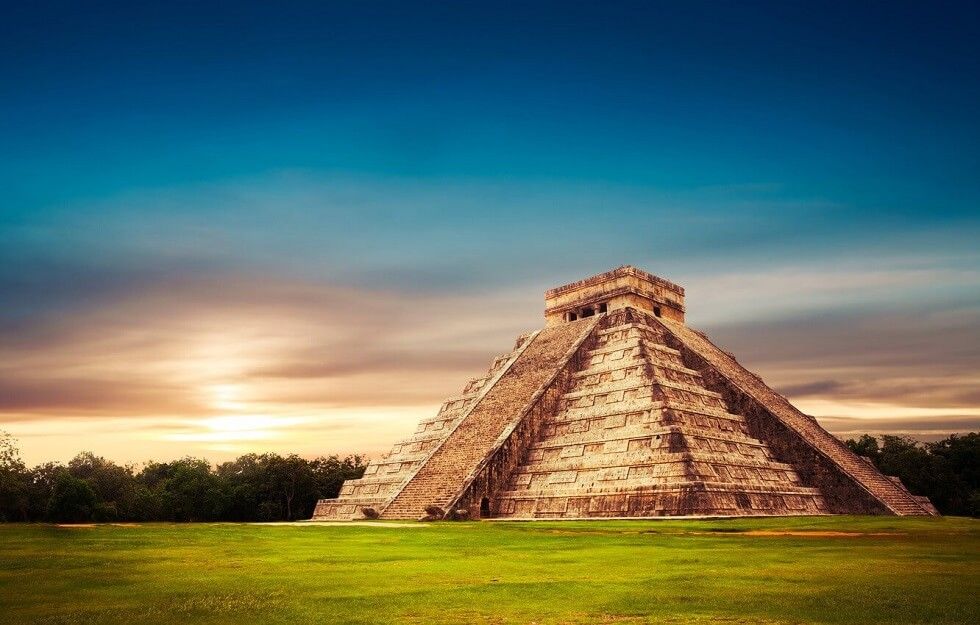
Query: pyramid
point(617, 409)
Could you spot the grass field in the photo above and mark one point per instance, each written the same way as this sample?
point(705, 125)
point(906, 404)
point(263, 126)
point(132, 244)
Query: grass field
point(803, 570)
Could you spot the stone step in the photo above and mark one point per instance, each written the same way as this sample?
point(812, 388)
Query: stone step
point(621, 327)
point(641, 432)
point(619, 365)
point(630, 344)
point(628, 407)
point(647, 458)
point(678, 486)
point(630, 384)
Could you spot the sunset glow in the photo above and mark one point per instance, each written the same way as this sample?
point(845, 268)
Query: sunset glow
point(268, 234)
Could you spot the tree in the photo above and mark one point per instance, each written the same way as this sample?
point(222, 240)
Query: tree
point(148, 504)
point(291, 480)
point(9, 453)
point(866, 446)
point(911, 462)
point(332, 472)
point(73, 500)
point(961, 457)
point(946, 471)
point(43, 479)
point(245, 486)
point(14, 481)
point(190, 490)
point(114, 485)
point(253, 487)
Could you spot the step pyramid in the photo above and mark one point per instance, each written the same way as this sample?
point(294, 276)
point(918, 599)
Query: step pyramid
point(617, 409)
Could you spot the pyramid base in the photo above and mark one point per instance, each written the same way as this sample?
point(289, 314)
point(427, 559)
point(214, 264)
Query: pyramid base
point(344, 510)
point(679, 502)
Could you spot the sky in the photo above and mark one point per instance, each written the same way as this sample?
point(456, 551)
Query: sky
point(298, 227)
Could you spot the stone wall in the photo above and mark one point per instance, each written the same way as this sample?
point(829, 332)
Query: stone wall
point(620, 288)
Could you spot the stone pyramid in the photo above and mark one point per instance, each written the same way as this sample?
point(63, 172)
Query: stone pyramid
point(618, 409)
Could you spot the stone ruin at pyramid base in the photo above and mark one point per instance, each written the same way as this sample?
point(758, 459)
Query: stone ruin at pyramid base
point(617, 409)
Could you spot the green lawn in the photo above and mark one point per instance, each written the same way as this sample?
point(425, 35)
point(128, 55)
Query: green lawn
point(890, 571)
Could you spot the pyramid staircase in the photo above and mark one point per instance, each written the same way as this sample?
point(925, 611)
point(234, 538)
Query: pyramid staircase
point(638, 434)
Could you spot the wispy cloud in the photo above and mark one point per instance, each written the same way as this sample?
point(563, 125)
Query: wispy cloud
point(329, 314)
point(200, 353)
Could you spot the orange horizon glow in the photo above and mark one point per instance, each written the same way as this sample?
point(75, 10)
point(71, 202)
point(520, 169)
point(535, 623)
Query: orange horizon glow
point(320, 370)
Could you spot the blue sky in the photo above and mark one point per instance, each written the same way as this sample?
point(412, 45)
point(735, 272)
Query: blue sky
point(189, 183)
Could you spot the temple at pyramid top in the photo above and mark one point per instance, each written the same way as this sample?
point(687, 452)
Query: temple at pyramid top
point(617, 409)
point(625, 286)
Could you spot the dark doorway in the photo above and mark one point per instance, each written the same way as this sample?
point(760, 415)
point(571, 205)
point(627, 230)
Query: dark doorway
point(656, 311)
point(484, 508)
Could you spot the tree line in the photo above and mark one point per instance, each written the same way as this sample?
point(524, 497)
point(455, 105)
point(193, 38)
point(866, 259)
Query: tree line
point(270, 487)
point(89, 488)
point(946, 471)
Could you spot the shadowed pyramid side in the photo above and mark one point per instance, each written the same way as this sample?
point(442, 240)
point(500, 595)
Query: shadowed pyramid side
point(638, 434)
point(850, 484)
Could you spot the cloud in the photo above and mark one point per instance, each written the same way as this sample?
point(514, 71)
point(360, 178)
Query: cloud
point(319, 367)
point(447, 235)
point(832, 288)
point(932, 426)
point(822, 387)
point(324, 304)
point(914, 372)
point(212, 346)
point(84, 396)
